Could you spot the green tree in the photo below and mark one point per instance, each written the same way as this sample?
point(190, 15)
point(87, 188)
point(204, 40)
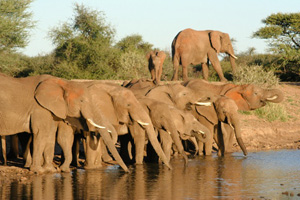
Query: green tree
point(282, 30)
point(15, 23)
point(134, 43)
point(85, 45)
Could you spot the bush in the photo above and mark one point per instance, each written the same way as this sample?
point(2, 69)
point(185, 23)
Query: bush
point(272, 112)
point(255, 74)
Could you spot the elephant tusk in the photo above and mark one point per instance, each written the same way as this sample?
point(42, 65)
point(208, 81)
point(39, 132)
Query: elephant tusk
point(94, 124)
point(203, 103)
point(233, 56)
point(231, 126)
point(169, 132)
point(142, 123)
point(272, 98)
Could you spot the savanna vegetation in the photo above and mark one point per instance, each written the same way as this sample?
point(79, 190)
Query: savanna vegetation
point(85, 48)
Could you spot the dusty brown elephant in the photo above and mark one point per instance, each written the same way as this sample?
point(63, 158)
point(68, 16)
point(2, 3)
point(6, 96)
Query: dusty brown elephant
point(246, 97)
point(155, 64)
point(196, 101)
point(37, 104)
point(122, 109)
point(182, 126)
point(198, 47)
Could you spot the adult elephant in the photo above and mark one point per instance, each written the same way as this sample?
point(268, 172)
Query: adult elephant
point(122, 109)
point(198, 103)
point(198, 47)
point(183, 125)
point(247, 97)
point(37, 104)
point(155, 64)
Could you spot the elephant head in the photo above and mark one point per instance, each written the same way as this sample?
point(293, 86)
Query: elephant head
point(175, 94)
point(72, 102)
point(251, 97)
point(128, 111)
point(224, 110)
point(222, 44)
point(155, 64)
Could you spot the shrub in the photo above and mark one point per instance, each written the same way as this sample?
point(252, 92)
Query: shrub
point(272, 112)
point(255, 74)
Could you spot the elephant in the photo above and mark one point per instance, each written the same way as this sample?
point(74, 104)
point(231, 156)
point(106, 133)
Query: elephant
point(37, 104)
point(122, 109)
point(185, 98)
point(155, 64)
point(198, 47)
point(247, 97)
point(182, 126)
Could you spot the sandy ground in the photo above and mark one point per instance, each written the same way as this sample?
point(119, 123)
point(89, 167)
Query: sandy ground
point(258, 134)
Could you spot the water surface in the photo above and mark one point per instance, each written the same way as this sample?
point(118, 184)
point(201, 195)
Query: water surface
point(260, 175)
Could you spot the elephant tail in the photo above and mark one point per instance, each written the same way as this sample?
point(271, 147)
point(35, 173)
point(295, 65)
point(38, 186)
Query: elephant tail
point(173, 46)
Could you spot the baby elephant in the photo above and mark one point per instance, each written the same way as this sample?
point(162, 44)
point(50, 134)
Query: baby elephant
point(155, 63)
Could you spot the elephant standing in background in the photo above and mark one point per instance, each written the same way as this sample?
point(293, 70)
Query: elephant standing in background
point(155, 64)
point(198, 47)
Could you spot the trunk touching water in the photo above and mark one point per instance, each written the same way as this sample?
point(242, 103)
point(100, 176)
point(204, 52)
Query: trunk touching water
point(237, 130)
point(111, 146)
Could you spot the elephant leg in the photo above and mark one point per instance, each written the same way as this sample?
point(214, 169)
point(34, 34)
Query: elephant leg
point(26, 142)
point(65, 138)
point(49, 152)
point(159, 74)
point(139, 143)
point(3, 142)
point(93, 151)
point(175, 66)
point(213, 58)
point(205, 71)
point(125, 140)
point(184, 72)
point(209, 144)
point(152, 72)
point(229, 137)
point(105, 155)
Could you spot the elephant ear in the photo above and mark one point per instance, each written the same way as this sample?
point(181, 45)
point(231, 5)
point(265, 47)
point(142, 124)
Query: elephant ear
point(215, 40)
point(208, 112)
point(50, 95)
point(236, 94)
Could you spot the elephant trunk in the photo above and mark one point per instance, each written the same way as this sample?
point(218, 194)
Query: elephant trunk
point(111, 146)
point(237, 130)
point(177, 141)
point(232, 59)
point(274, 96)
point(156, 146)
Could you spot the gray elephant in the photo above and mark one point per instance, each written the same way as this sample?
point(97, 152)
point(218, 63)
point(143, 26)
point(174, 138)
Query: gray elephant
point(182, 126)
point(198, 47)
point(37, 104)
point(155, 64)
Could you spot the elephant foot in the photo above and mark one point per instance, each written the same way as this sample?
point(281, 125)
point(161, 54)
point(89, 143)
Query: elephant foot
point(50, 168)
point(37, 169)
point(64, 168)
point(92, 166)
point(224, 80)
point(107, 158)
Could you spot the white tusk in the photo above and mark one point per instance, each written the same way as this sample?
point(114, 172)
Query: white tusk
point(233, 56)
point(142, 123)
point(109, 131)
point(94, 124)
point(202, 132)
point(169, 132)
point(272, 98)
point(203, 103)
point(231, 126)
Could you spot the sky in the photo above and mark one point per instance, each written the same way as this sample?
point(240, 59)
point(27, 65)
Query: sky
point(159, 21)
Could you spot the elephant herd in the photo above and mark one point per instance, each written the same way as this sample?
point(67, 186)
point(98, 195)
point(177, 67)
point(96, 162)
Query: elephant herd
point(149, 121)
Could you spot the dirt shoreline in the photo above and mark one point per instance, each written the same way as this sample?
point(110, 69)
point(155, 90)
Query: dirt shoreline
point(258, 134)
